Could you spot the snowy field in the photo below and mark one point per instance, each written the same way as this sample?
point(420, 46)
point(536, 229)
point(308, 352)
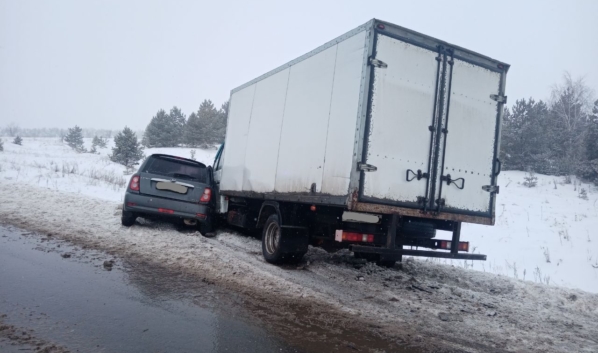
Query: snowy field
point(543, 234)
point(425, 302)
point(50, 163)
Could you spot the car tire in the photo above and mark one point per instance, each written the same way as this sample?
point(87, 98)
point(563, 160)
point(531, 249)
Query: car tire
point(418, 230)
point(128, 218)
point(274, 249)
point(207, 228)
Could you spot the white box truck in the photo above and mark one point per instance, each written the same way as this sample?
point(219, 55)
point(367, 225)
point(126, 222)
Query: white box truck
point(372, 141)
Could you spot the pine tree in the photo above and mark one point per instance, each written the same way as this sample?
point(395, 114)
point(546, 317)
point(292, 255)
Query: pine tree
point(94, 144)
point(127, 150)
point(74, 138)
point(194, 133)
point(165, 130)
point(222, 119)
point(178, 121)
point(1, 145)
point(524, 144)
point(208, 116)
point(18, 140)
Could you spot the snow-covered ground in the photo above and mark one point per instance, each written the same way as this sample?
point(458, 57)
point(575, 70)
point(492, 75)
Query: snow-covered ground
point(50, 163)
point(424, 302)
point(542, 234)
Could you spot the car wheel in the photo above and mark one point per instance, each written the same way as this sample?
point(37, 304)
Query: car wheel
point(207, 228)
point(128, 218)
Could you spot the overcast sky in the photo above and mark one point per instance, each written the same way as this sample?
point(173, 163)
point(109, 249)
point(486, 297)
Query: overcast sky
point(106, 64)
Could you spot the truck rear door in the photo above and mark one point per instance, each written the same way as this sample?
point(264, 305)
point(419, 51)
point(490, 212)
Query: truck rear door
point(432, 129)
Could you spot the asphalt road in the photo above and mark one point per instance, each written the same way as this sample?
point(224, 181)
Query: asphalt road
point(57, 297)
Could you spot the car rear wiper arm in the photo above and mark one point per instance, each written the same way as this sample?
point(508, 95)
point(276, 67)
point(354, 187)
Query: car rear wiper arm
point(179, 175)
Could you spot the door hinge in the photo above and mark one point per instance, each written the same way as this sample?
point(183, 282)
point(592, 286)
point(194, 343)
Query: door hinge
point(378, 63)
point(494, 189)
point(366, 167)
point(499, 98)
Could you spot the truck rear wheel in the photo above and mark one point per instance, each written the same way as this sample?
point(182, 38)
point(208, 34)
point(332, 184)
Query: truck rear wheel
point(273, 243)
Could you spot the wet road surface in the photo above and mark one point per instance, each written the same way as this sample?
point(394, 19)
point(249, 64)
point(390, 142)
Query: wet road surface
point(76, 302)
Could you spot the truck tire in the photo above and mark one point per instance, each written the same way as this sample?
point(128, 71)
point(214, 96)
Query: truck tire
point(127, 218)
point(273, 243)
point(418, 230)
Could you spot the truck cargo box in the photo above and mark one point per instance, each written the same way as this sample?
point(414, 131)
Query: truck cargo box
point(381, 119)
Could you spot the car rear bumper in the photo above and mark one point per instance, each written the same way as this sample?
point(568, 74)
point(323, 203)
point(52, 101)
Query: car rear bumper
point(152, 205)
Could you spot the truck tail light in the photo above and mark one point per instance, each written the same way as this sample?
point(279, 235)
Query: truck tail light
point(134, 183)
point(206, 196)
point(341, 236)
point(446, 244)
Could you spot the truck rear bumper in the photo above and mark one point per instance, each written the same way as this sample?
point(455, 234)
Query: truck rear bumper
point(396, 254)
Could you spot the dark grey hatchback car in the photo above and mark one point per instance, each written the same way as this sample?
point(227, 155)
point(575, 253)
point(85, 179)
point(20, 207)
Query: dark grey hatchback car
point(172, 187)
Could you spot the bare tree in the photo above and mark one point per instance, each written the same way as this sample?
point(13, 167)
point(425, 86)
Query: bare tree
point(12, 129)
point(570, 105)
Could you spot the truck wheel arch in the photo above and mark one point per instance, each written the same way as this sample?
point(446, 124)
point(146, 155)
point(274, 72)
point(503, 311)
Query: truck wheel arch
point(268, 208)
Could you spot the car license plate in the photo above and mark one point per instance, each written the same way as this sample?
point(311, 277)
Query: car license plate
point(171, 187)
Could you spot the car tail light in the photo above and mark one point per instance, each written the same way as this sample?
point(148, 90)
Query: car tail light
point(206, 196)
point(446, 244)
point(165, 210)
point(341, 236)
point(201, 215)
point(134, 183)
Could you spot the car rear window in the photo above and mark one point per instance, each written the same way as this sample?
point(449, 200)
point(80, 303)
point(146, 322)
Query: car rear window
point(177, 169)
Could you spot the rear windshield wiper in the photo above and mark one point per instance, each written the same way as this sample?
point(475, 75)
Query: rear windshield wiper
point(184, 176)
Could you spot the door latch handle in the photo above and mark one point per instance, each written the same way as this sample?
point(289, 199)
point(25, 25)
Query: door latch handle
point(455, 182)
point(419, 175)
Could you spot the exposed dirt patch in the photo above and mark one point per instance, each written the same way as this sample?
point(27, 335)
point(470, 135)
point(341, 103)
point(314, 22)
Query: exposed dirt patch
point(25, 340)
